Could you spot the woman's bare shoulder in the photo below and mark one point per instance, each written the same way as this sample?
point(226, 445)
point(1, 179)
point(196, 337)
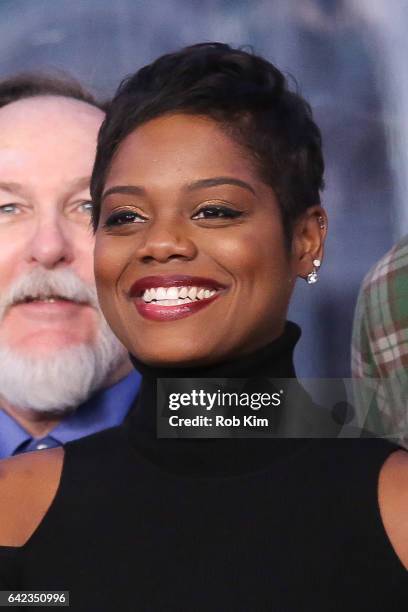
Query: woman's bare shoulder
point(393, 502)
point(28, 484)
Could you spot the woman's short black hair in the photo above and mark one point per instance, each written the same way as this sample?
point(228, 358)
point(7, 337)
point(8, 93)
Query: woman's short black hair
point(246, 95)
point(32, 84)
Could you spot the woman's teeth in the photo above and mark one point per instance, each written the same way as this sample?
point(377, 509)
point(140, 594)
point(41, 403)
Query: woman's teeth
point(174, 296)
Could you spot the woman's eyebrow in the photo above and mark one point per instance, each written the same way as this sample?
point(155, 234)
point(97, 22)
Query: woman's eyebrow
point(200, 184)
point(129, 189)
point(219, 180)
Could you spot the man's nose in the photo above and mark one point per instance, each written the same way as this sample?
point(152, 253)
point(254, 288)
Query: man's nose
point(167, 241)
point(50, 244)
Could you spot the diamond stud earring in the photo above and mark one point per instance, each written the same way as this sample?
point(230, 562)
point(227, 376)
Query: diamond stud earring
point(313, 276)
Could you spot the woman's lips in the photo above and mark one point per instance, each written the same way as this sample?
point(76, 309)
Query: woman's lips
point(151, 293)
point(157, 312)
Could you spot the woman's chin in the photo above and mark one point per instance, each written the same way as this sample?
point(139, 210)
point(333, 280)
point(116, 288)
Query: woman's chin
point(181, 357)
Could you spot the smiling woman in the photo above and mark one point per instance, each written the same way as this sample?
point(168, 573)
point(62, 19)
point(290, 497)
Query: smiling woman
point(206, 210)
point(201, 176)
point(182, 200)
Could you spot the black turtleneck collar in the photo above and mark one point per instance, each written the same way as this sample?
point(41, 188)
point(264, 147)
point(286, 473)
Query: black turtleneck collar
point(275, 360)
point(212, 457)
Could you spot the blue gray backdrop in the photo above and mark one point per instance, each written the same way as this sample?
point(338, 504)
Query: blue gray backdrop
point(348, 59)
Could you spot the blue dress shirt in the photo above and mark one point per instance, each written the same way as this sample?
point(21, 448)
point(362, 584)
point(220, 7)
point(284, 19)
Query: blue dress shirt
point(107, 408)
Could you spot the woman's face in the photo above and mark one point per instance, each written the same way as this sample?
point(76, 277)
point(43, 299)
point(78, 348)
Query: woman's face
point(190, 256)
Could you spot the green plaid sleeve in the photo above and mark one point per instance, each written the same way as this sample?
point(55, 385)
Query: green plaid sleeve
point(380, 344)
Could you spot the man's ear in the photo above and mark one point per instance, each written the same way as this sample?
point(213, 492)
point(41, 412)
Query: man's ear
point(309, 234)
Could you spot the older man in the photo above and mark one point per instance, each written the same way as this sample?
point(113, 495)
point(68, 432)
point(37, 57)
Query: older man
point(63, 374)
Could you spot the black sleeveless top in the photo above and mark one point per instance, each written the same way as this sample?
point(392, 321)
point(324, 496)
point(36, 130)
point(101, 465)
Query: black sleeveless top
point(141, 524)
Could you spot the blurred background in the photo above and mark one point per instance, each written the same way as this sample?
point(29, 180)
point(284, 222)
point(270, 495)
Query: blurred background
point(347, 57)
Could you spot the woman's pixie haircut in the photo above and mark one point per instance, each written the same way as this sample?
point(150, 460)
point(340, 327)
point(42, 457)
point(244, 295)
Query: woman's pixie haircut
point(246, 95)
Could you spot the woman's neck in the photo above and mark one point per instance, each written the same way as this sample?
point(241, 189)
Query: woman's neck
point(275, 360)
point(211, 457)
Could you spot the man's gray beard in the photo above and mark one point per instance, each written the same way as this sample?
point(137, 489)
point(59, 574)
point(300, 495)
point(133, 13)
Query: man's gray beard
point(64, 379)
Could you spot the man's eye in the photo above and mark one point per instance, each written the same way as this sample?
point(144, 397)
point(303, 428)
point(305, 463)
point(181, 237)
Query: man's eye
point(8, 209)
point(86, 207)
point(217, 212)
point(124, 217)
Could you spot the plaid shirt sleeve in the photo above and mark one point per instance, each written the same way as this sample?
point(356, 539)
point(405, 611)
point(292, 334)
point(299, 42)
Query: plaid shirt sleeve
point(380, 345)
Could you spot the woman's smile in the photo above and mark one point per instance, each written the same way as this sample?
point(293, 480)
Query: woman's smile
point(168, 298)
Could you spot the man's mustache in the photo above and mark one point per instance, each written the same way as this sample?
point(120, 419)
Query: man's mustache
point(40, 283)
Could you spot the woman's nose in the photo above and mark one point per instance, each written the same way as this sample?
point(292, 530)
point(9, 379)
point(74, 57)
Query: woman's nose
point(167, 241)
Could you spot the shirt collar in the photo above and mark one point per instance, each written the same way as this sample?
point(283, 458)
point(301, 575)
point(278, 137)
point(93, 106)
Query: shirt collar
point(107, 408)
point(12, 435)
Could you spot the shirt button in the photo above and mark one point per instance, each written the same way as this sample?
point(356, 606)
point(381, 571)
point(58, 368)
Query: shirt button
point(41, 446)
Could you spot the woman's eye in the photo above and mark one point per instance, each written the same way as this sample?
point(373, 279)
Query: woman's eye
point(217, 212)
point(8, 209)
point(124, 217)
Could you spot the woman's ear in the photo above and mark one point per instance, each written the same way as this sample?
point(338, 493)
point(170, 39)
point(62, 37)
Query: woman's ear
point(309, 234)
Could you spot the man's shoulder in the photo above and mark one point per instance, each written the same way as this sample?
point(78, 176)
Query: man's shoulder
point(27, 482)
point(379, 328)
point(392, 266)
